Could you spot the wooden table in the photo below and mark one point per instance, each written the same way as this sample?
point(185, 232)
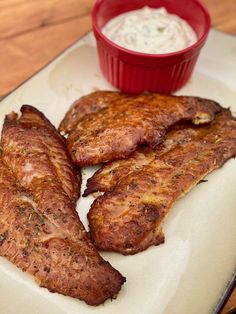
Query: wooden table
point(33, 32)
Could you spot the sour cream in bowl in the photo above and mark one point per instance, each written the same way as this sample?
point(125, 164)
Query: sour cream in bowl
point(150, 30)
point(149, 45)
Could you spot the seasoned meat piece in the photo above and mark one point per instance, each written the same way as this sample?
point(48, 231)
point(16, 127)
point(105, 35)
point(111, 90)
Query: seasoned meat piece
point(36, 152)
point(116, 130)
point(87, 104)
point(40, 231)
point(110, 173)
point(38, 142)
point(128, 218)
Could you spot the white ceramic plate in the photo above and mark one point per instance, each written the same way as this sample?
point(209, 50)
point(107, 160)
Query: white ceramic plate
point(191, 271)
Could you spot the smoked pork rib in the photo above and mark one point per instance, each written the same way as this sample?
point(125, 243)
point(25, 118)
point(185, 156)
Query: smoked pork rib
point(128, 218)
point(40, 231)
point(117, 129)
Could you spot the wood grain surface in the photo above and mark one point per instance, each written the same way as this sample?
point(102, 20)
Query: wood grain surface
point(33, 32)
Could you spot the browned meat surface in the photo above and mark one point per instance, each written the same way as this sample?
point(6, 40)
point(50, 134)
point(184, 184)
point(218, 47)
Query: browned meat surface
point(87, 104)
point(117, 129)
point(128, 218)
point(33, 141)
point(40, 231)
point(110, 173)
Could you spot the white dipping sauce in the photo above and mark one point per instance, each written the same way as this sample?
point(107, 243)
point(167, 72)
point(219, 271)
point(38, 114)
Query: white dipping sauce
point(150, 31)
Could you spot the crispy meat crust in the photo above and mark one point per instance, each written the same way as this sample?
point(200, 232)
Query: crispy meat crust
point(40, 143)
point(87, 104)
point(40, 231)
point(110, 173)
point(128, 218)
point(117, 129)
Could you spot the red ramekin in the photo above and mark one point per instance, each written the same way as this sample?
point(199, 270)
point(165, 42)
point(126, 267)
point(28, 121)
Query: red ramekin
point(135, 72)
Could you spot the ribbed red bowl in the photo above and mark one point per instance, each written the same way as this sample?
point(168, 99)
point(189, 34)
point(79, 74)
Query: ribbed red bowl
point(135, 72)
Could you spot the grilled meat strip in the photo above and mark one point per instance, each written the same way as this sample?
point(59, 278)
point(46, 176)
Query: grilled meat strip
point(111, 172)
point(39, 143)
point(128, 217)
point(117, 129)
point(87, 104)
point(40, 231)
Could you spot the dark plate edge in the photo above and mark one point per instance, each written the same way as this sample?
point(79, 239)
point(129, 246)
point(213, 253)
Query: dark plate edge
point(232, 283)
point(225, 296)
